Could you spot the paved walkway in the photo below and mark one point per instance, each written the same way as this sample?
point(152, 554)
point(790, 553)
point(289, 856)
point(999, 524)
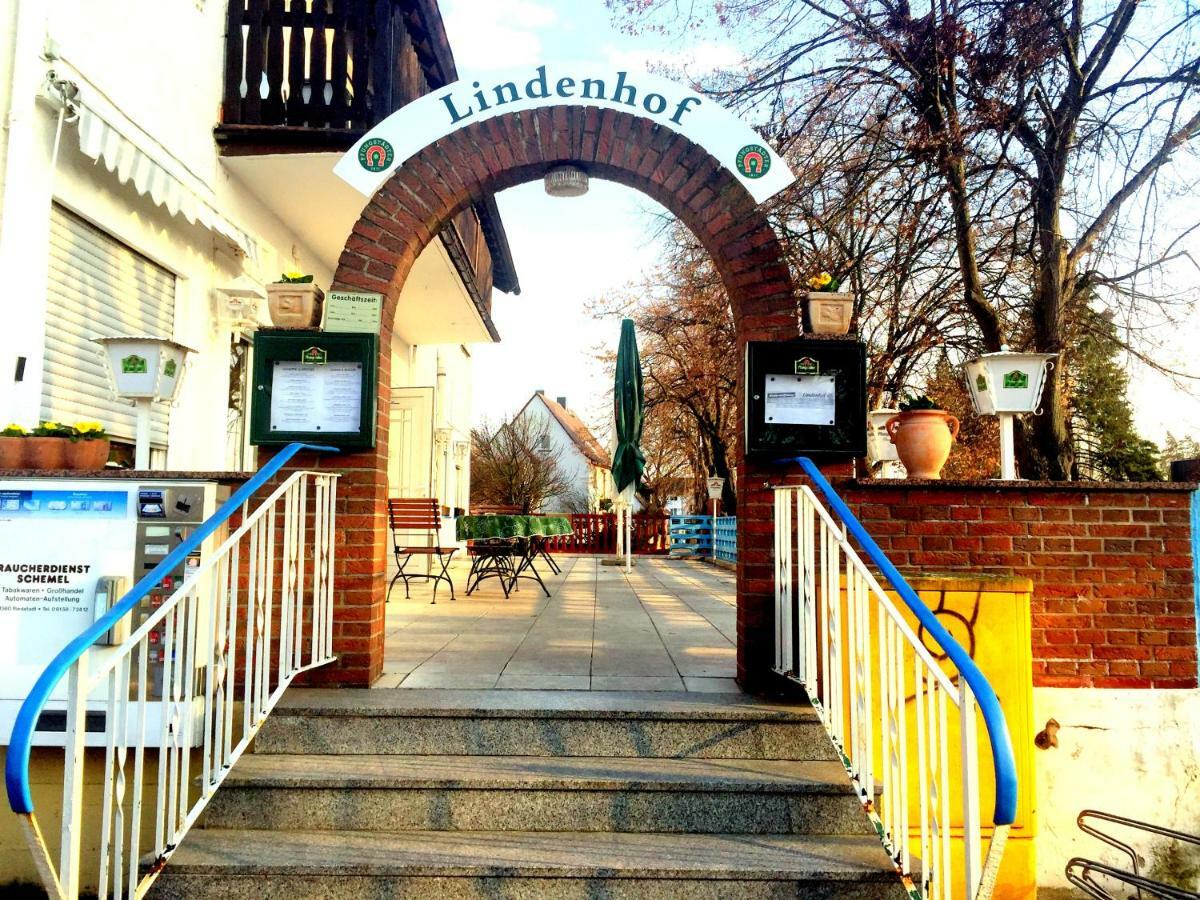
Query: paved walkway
point(668, 626)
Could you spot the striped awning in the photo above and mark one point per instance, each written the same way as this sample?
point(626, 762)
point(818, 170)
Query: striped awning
point(135, 164)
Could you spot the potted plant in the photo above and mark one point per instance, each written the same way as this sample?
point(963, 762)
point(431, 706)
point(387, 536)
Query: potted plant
point(828, 310)
point(88, 449)
point(12, 447)
point(295, 301)
point(922, 433)
point(46, 448)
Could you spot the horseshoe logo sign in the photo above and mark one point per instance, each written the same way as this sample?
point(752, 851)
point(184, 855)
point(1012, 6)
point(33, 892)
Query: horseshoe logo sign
point(754, 161)
point(376, 155)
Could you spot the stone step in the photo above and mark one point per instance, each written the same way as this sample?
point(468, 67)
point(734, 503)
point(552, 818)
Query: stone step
point(272, 865)
point(529, 793)
point(542, 723)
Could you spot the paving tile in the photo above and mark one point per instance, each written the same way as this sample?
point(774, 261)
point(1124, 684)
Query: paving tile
point(455, 680)
point(711, 685)
point(636, 683)
point(667, 621)
point(543, 682)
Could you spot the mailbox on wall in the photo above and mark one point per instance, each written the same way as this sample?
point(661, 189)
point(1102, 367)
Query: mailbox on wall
point(806, 398)
point(314, 386)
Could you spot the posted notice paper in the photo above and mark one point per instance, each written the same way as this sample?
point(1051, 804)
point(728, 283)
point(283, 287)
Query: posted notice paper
point(800, 399)
point(316, 398)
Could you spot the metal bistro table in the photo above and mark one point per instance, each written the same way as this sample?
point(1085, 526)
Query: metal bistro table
point(506, 547)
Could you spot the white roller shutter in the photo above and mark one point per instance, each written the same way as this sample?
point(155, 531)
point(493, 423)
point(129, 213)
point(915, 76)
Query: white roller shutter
point(98, 287)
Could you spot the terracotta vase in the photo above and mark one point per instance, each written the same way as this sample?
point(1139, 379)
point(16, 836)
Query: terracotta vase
point(923, 438)
point(12, 452)
point(46, 452)
point(295, 305)
point(87, 455)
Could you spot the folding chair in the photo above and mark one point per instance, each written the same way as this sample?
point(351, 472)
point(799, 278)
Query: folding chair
point(409, 518)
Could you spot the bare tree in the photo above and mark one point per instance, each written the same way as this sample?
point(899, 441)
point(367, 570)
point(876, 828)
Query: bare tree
point(513, 467)
point(1049, 128)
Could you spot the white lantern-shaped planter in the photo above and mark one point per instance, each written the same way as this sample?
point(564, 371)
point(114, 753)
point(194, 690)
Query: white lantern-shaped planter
point(1006, 384)
point(145, 370)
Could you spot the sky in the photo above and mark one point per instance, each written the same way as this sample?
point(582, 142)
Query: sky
point(569, 252)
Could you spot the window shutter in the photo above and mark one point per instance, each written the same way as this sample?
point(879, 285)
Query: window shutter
point(98, 287)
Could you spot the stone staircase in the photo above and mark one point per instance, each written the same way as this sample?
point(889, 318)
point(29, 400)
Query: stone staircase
point(512, 794)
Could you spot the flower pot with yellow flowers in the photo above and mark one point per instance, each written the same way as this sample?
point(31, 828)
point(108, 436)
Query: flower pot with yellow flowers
point(12, 447)
point(827, 310)
point(46, 448)
point(88, 450)
point(295, 301)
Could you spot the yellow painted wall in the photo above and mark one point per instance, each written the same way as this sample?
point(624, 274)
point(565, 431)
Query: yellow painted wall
point(46, 784)
point(990, 617)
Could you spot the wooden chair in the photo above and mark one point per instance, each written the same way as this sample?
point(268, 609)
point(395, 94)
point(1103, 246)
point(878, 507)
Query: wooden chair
point(414, 518)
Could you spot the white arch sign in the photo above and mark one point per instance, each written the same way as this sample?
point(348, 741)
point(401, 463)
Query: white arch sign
point(702, 120)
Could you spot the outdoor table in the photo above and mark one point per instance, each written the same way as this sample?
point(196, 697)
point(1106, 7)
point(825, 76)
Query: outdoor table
point(506, 546)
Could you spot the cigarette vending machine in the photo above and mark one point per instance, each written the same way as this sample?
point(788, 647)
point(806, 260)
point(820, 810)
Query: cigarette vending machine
point(69, 549)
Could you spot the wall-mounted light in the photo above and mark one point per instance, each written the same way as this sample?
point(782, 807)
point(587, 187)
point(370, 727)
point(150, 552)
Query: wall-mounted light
point(566, 181)
point(238, 302)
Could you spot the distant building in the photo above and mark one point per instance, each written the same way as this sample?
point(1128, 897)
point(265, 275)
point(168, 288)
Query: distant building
point(584, 461)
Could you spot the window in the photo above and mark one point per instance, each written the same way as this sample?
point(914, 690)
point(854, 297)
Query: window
point(98, 286)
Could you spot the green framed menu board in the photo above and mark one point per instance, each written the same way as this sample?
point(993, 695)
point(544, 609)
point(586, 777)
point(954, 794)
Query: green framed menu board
point(314, 386)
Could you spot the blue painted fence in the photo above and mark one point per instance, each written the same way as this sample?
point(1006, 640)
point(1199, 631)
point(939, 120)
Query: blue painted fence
point(692, 537)
point(725, 539)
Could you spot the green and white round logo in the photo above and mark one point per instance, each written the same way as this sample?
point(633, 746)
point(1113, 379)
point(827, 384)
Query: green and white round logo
point(754, 161)
point(376, 155)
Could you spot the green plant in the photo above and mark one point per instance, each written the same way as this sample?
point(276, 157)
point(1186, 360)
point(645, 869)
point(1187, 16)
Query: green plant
point(14, 430)
point(53, 429)
point(294, 278)
point(914, 402)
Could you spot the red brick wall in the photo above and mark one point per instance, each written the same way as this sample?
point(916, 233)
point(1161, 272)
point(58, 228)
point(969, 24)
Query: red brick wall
point(482, 158)
point(1113, 602)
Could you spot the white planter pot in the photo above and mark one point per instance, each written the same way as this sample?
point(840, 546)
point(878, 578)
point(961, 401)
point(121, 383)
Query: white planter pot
point(829, 312)
point(295, 305)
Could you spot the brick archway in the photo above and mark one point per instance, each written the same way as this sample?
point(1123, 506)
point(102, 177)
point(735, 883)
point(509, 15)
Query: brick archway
point(489, 156)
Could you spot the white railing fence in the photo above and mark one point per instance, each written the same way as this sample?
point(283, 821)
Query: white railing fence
point(873, 682)
point(184, 694)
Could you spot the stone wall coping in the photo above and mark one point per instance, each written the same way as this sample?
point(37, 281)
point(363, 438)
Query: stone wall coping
point(127, 474)
point(973, 582)
point(1124, 487)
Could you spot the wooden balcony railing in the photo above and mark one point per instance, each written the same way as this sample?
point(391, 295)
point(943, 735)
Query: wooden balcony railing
point(336, 65)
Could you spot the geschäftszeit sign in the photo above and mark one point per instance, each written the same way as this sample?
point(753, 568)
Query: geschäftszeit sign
point(701, 119)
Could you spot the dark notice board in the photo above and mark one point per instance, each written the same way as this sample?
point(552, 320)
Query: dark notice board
point(314, 386)
point(806, 398)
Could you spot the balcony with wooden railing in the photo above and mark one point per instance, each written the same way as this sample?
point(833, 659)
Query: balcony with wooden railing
point(314, 76)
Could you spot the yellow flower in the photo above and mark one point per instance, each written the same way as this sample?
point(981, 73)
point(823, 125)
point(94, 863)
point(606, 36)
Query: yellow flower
point(13, 426)
point(50, 425)
point(825, 279)
point(294, 274)
point(88, 427)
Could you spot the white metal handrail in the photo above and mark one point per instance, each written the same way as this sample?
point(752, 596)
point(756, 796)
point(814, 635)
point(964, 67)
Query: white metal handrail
point(841, 636)
point(230, 638)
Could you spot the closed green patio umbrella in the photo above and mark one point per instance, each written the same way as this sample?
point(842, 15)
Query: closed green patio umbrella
point(628, 415)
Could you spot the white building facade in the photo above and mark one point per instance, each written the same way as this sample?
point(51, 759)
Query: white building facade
point(155, 164)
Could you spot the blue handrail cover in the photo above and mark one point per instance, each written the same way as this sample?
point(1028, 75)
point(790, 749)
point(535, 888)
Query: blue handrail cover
point(1003, 761)
point(16, 764)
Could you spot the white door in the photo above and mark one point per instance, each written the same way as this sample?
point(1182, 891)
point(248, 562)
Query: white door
point(410, 443)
